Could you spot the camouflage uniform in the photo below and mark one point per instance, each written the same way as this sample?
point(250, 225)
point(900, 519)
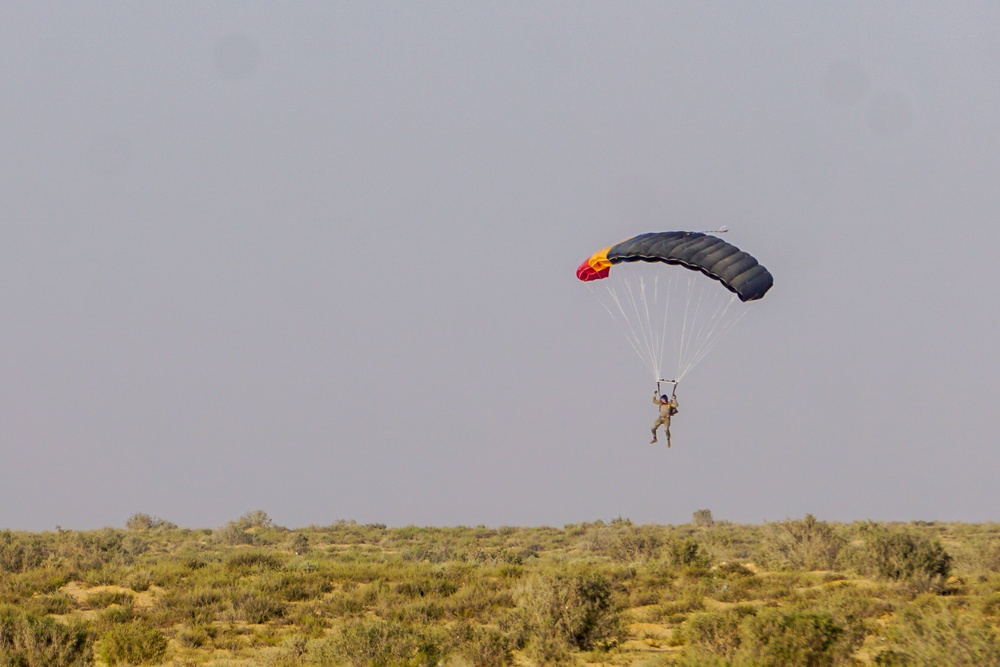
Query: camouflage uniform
point(664, 418)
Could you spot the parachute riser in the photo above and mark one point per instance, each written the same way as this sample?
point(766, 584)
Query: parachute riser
point(672, 382)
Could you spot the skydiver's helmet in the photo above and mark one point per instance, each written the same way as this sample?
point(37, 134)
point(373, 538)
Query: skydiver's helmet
point(663, 397)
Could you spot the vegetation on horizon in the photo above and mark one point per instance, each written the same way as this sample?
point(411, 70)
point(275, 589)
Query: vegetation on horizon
point(251, 593)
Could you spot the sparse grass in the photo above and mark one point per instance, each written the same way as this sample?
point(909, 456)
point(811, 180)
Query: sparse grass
point(711, 592)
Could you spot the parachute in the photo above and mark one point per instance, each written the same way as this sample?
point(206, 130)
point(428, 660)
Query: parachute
point(675, 294)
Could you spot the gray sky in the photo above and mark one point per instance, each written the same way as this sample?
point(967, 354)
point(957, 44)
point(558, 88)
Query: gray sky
point(318, 259)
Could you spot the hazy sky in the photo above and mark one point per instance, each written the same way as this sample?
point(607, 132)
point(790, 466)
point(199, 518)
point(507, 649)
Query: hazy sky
point(318, 259)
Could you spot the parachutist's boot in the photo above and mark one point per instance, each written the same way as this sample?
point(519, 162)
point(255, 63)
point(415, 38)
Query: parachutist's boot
point(653, 441)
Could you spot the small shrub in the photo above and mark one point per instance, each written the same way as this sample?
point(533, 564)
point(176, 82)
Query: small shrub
point(40, 580)
point(484, 646)
point(254, 608)
point(142, 521)
point(200, 605)
point(900, 555)
point(138, 580)
point(132, 644)
point(687, 600)
point(564, 612)
point(249, 560)
point(623, 541)
point(292, 653)
point(702, 518)
point(18, 554)
point(804, 544)
point(734, 569)
point(685, 553)
point(369, 643)
point(115, 615)
point(258, 519)
point(928, 632)
point(716, 633)
point(93, 550)
point(990, 605)
point(106, 598)
point(311, 623)
point(38, 641)
point(854, 609)
point(635, 545)
point(245, 530)
point(776, 638)
point(197, 636)
point(299, 544)
point(105, 575)
point(56, 603)
point(232, 535)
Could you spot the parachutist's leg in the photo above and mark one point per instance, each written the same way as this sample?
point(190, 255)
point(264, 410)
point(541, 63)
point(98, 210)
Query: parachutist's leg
point(656, 424)
point(666, 427)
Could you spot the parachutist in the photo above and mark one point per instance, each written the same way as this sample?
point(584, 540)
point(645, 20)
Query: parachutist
point(668, 408)
point(674, 294)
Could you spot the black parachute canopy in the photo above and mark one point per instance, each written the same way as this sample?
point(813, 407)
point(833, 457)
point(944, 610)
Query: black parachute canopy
point(737, 270)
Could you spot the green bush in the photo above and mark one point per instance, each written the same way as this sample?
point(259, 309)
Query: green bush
point(623, 542)
point(197, 636)
point(243, 561)
point(142, 521)
point(929, 632)
point(252, 607)
point(106, 598)
point(702, 518)
point(199, 605)
point(132, 643)
point(804, 639)
point(299, 543)
point(685, 553)
point(91, 550)
point(232, 535)
point(21, 552)
point(854, 609)
point(33, 641)
point(804, 544)
point(979, 554)
point(245, 530)
point(635, 545)
point(295, 587)
point(990, 605)
point(685, 600)
point(483, 646)
point(377, 643)
point(716, 633)
point(56, 603)
point(115, 615)
point(901, 555)
point(561, 612)
point(41, 580)
point(258, 519)
point(310, 622)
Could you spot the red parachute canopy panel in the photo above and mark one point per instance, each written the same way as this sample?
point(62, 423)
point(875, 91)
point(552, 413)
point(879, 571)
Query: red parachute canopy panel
point(595, 267)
